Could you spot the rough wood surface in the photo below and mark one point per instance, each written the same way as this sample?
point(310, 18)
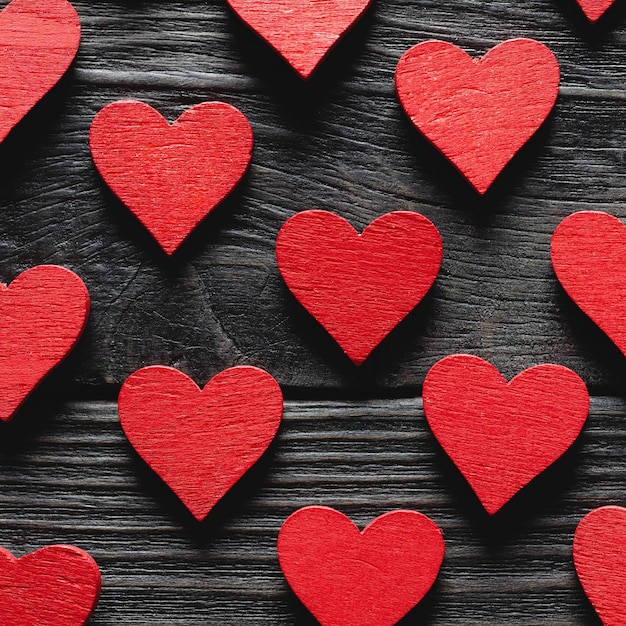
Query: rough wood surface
point(70, 476)
point(340, 142)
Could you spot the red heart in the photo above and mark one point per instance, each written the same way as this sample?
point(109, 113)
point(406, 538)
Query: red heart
point(350, 578)
point(502, 435)
point(42, 314)
point(358, 287)
point(600, 560)
point(200, 442)
point(595, 9)
point(478, 112)
point(302, 31)
point(171, 176)
point(54, 586)
point(587, 254)
point(39, 42)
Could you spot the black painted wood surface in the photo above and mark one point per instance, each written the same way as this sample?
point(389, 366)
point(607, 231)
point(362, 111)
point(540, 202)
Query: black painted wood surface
point(72, 477)
point(353, 438)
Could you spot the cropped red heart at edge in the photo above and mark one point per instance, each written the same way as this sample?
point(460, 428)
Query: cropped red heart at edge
point(499, 434)
point(200, 442)
point(478, 112)
point(42, 315)
point(301, 31)
point(39, 42)
point(359, 287)
point(171, 176)
point(600, 558)
point(587, 251)
point(350, 578)
point(595, 9)
point(55, 586)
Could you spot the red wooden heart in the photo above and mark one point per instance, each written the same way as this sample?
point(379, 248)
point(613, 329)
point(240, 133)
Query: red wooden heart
point(587, 254)
point(502, 435)
point(600, 560)
point(171, 176)
point(302, 31)
point(478, 112)
point(200, 442)
point(350, 578)
point(42, 314)
point(54, 586)
point(358, 287)
point(595, 9)
point(39, 42)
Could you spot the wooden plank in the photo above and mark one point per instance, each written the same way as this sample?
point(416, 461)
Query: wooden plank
point(340, 143)
point(69, 475)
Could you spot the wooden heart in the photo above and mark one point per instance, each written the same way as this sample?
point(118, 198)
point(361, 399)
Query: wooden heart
point(600, 560)
point(39, 42)
point(302, 31)
point(200, 442)
point(595, 9)
point(502, 435)
point(587, 253)
point(171, 176)
point(55, 586)
point(350, 578)
point(478, 112)
point(358, 287)
point(42, 314)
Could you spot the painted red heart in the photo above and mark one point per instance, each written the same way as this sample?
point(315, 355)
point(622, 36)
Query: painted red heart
point(478, 112)
point(350, 578)
point(301, 31)
point(39, 42)
point(587, 252)
point(502, 435)
point(358, 287)
point(595, 9)
point(171, 176)
point(42, 314)
point(55, 586)
point(200, 442)
point(600, 560)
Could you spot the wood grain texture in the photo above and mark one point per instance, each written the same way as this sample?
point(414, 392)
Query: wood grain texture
point(339, 142)
point(171, 176)
point(54, 586)
point(69, 476)
point(600, 560)
point(358, 286)
point(200, 441)
point(42, 315)
point(478, 112)
point(351, 577)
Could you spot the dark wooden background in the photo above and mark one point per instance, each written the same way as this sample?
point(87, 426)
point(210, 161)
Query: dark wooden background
point(352, 438)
